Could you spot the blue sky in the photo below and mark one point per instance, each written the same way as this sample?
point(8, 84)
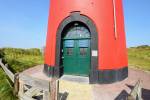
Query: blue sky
point(23, 23)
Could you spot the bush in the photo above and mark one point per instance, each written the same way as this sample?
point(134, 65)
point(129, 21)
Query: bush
point(17, 60)
point(1, 53)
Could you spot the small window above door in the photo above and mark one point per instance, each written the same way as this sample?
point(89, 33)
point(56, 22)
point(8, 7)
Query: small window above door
point(69, 43)
point(76, 32)
point(84, 43)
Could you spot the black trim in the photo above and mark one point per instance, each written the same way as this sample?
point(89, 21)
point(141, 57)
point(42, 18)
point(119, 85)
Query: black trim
point(53, 71)
point(103, 76)
point(111, 76)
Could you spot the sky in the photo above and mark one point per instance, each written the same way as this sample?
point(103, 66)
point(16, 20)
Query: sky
point(23, 23)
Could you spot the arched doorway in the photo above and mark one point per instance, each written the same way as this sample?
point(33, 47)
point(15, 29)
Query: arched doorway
point(76, 49)
point(58, 70)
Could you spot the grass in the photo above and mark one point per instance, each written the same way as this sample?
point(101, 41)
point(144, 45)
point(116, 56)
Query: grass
point(139, 57)
point(17, 60)
point(21, 59)
point(6, 89)
point(23, 62)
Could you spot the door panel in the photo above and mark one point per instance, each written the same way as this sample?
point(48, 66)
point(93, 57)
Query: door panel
point(76, 50)
point(76, 57)
point(69, 54)
point(83, 55)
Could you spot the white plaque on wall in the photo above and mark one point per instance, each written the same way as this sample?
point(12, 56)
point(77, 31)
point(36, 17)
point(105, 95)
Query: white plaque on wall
point(94, 53)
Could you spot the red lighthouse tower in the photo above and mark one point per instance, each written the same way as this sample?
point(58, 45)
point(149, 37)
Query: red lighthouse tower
point(86, 38)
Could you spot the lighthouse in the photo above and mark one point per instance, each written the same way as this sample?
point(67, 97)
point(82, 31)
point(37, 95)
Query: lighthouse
point(86, 38)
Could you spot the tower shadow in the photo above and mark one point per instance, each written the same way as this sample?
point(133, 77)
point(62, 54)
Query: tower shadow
point(124, 95)
point(63, 96)
point(145, 92)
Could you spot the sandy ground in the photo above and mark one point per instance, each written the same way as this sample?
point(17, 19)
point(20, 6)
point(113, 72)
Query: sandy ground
point(71, 90)
point(76, 91)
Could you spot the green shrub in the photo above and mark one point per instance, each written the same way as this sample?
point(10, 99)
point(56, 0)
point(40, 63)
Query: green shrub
point(17, 60)
point(139, 57)
point(1, 53)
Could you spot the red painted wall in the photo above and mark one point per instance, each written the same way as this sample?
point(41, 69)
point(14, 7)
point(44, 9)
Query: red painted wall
point(112, 53)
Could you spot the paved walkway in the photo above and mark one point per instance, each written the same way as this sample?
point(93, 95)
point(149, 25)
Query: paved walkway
point(119, 90)
point(77, 88)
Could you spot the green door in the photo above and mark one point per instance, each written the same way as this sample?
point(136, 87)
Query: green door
point(76, 52)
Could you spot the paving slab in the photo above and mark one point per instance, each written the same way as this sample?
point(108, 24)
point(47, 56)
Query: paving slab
point(77, 79)
point(77, 88)
point(119, 90)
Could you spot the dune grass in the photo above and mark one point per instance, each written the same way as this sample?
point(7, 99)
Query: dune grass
point(17, 60)
point(6, 89)
point(139, 57)
point(21, 59)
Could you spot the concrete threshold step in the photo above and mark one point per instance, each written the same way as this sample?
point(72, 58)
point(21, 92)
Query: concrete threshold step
point(78, 79)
